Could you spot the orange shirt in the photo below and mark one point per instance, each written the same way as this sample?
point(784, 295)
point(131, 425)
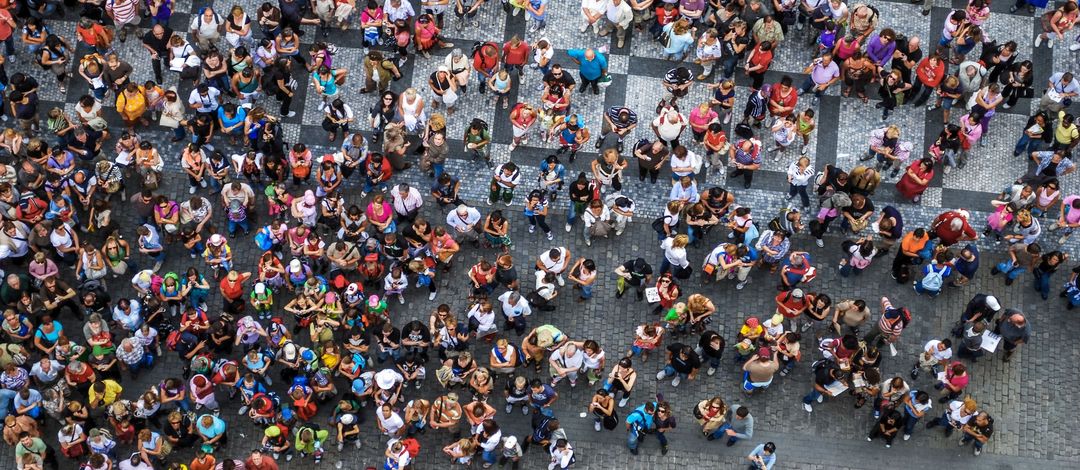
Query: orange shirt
point(910, 244)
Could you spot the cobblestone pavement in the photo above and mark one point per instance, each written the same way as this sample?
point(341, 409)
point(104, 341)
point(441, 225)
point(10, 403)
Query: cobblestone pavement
point(1028, 397)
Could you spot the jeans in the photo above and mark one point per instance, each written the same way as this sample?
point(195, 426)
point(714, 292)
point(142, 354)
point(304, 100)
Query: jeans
point(1042, 283)
point(586, 292)
point(967, 438)
point(808, 85)
point(922, 290)
point(575, 209)
point(1027, 145)
point(811, 397)
point(489, 456)
point(6, 396)
point(848, 270)
point(537, 219)
point(242, 224)
point(632, 437)
point(369, 184)
point(1010, 270)
point(799, 190)
point(670, 371)
point(909, 424)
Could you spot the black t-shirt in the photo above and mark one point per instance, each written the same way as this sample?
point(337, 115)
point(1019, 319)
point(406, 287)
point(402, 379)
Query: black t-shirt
point(416, 331)
point(410, 233)
point(912, 55)
point(395, 250)
point(683, 366)
point(637, 277)
point(898, 230)
point(385, 339)
point(161, 46)
point(440, 85)
point(408, 366)
point(856, 213)
point(823, 376)
point(729, 46)
point(705, 343)
point(580, 194)
point(566, 81)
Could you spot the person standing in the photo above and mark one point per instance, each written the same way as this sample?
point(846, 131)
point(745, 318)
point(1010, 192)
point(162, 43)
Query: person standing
point(1014, 330)
point(592, 67)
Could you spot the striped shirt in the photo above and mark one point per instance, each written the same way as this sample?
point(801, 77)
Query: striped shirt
point(123, 11)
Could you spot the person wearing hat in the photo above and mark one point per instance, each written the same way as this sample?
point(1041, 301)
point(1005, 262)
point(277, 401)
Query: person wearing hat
point(464, 220)
point(759, 370)
point(348, 430)
point(763, 457)
point(510, 452)
point(446, 414)
point(262, 299)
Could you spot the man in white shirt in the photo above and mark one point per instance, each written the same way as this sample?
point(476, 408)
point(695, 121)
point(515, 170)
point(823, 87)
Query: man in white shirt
point(565, 363)
point(398, 10)
point(668, 126)
point(618, 16)
point(934, 353)
point(205, 26)
point(407, 202)
point(464, 220)
point(554, 261)
point(204, 99)
point(515, 308)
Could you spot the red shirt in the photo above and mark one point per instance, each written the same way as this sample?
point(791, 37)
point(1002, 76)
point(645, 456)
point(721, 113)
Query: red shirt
point(942, 227)
point(232, 291)
point(785, 302)
point(516, 55)
point(785, 101)
point(484, 62)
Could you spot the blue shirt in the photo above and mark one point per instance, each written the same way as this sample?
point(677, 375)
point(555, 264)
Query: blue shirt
point(769, 459)
point(640, 418)
point(543, 397)
point(237, 118)
point(215, 429)
point(589, 69)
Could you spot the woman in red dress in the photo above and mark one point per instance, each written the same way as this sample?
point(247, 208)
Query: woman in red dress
point(916, 179)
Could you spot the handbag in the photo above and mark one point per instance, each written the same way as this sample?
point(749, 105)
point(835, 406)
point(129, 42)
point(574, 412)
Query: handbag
point(168, 121)
point(611, 422)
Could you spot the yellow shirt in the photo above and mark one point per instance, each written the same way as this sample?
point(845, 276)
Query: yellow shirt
point(112, 392)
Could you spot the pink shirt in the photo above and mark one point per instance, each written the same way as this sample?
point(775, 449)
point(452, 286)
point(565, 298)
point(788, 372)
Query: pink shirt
point(699, 120)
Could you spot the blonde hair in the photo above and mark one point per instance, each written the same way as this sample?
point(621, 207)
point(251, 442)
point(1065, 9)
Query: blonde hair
point(680, 241)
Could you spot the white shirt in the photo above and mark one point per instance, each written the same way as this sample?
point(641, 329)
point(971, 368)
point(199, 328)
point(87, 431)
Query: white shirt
point(543, 55)
point(412, 201)
point(590, 219)
point(391, 424)
point(486, 320)
point(390, 283)
point(403, 12)
point(574, 361)
point(932, 348)
point(593, 362)
point(675, 256)
point(206, 28)
point(465, 224)
point(514, 310)
point(556, 267)
point(208, 103)
point(667, 129)
point(620, 14)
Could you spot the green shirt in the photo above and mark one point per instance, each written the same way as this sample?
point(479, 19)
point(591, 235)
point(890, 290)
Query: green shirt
point(37, 447)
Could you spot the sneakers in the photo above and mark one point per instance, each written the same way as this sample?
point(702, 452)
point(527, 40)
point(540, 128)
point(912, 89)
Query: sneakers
point(569, 227)
point(914, 373)
point(524, 410)
point(676, 381)
point(1063, 239)
point(623, 402)
point(660, 375)
point(710, 372)
point(532, 229)
point(1050, 43)
point(552, 237)
point(509, 408)
point(340, 446)
point(808, 407)
point(596, 426)
point(560, 280)
point(821, 398)
point(978, 450)
point(1038, 40)
point(431, 296)
point(907, 436)
point(740, 286)
point(819, 242)
point(1072, 47)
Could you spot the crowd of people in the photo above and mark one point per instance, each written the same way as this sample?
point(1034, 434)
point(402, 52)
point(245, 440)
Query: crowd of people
point(315, 326)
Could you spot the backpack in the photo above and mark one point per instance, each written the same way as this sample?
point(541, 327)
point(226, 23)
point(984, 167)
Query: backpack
point(172, 340)
point(933, 280)
point(412, 446)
